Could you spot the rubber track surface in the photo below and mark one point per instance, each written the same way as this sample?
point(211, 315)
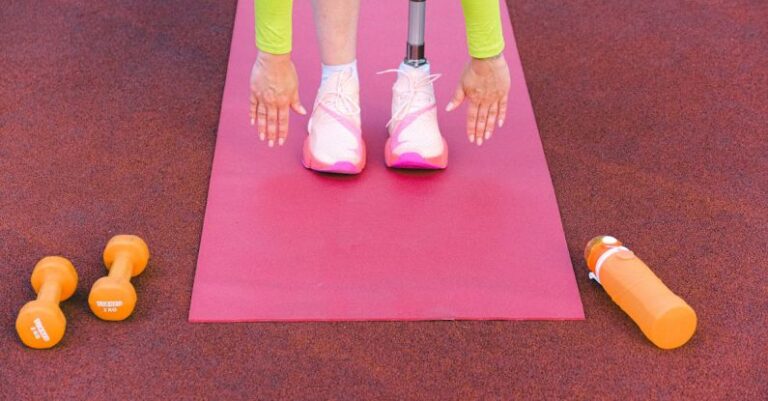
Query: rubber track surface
point(654, 121)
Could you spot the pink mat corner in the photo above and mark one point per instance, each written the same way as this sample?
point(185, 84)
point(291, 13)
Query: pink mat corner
point(481, 240)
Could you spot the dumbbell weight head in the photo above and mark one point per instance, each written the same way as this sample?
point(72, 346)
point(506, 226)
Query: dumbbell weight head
point(111, 299)
point(114, 298)
point(130, 245)
point(41, 323)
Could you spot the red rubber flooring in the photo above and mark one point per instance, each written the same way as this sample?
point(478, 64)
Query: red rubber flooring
point(654, 122)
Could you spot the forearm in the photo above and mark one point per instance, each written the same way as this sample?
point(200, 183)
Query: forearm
point(483, 23)
point(273, 25)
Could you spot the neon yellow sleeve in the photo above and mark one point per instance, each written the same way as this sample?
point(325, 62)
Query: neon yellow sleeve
point(273, 25)
point(483, 21)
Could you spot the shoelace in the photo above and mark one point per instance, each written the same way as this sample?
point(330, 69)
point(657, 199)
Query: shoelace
point(339, 100)
point(414, 88)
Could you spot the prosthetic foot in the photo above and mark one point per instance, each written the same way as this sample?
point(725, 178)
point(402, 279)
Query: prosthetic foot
point(414, 136)
point(414, 140)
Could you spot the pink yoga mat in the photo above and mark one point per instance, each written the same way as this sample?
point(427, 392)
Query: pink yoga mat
point(481, 240)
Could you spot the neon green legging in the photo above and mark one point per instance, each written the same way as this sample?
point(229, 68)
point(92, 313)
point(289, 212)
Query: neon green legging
point(482, 17)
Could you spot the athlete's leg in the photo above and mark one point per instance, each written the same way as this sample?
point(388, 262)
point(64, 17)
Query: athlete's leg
point(335, 141)
point(336, 24)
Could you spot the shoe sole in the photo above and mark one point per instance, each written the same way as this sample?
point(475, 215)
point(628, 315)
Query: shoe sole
point(337, 168)
point(414, 161)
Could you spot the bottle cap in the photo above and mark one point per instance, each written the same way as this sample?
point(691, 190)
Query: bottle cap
point(596, 247)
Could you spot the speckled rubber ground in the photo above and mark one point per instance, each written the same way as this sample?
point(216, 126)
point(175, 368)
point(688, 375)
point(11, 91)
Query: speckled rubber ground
point(654, 122)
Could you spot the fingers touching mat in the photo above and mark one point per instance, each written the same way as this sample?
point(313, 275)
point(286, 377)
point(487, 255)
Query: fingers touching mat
point(481, 240)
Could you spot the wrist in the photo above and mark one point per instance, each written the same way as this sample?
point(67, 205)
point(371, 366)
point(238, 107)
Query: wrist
point(488, 64)
point(273, 59)
point(488, 58)
point(497, 59)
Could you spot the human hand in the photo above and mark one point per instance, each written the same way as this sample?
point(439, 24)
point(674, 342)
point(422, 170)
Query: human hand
point(274, 90)
point(485, 84)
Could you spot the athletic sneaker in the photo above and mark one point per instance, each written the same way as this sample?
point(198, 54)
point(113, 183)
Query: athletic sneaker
point(335, 143)
point(414, 136)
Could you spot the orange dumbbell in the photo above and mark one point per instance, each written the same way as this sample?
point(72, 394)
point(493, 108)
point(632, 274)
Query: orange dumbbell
point(113, 297)
point(662, 316)
point(41, 323)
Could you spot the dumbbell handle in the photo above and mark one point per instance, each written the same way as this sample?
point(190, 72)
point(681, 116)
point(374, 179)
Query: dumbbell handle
point(50, 291)
point(122, 267)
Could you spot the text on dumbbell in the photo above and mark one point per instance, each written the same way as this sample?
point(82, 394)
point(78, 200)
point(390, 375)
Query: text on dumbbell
point(39, 331)
point(109, 306)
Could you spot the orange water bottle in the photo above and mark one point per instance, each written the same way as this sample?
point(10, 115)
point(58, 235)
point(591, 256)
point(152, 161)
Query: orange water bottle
point(662, 316)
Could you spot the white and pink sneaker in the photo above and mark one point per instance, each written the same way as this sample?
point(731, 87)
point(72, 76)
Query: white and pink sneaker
point(414, 140)
point(335, 143)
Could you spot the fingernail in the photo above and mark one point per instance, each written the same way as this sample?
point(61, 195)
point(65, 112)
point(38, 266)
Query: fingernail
point(487, 135)
point(253, 121)
point(449, 108)
point(471, 139)
point(281, 141)
point(271, 143)
point(501, 123)
point(303, 110)
point(479, 140)
point(261, 137)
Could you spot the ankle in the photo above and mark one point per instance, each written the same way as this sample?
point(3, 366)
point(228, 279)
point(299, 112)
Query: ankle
point(328, 70)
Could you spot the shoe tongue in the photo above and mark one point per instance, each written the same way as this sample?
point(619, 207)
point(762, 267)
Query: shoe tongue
point(338, 84)
point(421, 97)
point(343, 80)
point(415, 74)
